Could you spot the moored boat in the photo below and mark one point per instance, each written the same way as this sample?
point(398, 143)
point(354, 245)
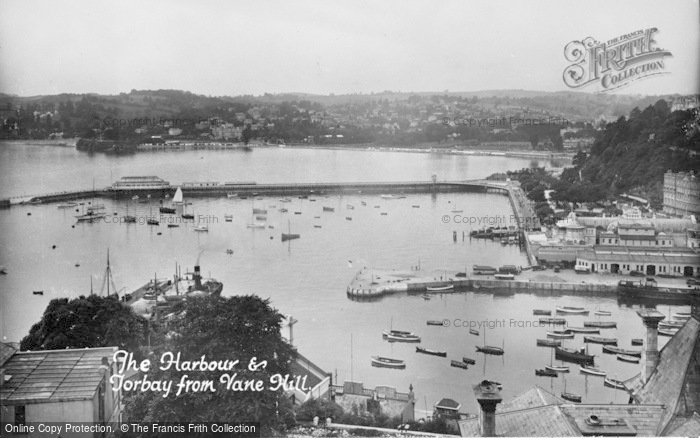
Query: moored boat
point(38, 292)
point(541, 312)
point(637, 341)
point(474, 332)
point(504, 277)
point(557, 368)
point(565, 335)
point(571, 355)
point(612, 383)
point(487, 349)
point(572, 310)
point(671, 324)
point(468, 361)
point(553, 321)
point(329, 209)
point(431, 351)
point(616, 350)
point(667, 332)
point(546, 373)
point(590, 330)
point(434, 322)
point(600, 340)
point(600, 324)
point(167, 210)
point(458, 364)
point(602, 312)
point(386, 362)
point(400, 336)
point(548, 343)
point(67, 205)
point(571, 397)
point(627, 358)
point(592, 371)
point(441, 288)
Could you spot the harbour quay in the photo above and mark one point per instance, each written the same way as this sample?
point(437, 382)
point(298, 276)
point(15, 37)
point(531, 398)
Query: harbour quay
point(370, 284)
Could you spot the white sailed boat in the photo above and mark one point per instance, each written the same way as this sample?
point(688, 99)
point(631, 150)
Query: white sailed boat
point(572, 310)
point(177, 199)
point(231, 195)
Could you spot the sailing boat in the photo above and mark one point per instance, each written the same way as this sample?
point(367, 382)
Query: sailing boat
point(558, 369)
point(107, 280)
point(257, 214)
point(488, 349)
point(570, 396)
point(150, 220)
point(289, 235)
point(129, 219)
point(94, 207)
point(177, 199)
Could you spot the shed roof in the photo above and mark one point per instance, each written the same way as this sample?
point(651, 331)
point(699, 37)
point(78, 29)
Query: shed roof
point(53, 375)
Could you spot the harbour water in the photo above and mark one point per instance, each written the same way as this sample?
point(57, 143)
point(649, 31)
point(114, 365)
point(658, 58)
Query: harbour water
point(307, 277)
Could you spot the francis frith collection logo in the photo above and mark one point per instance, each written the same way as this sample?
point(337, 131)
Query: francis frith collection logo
point(615, 63)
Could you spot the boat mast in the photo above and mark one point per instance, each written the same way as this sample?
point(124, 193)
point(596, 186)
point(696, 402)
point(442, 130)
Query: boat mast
point(351, 375)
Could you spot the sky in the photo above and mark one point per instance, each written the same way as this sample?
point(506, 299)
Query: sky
point(321, 47)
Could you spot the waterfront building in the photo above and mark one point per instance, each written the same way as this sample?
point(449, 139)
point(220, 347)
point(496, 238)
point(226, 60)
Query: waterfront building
point(58, 386)
point(681, 193)
point(664, 399)
point(650, 261)
point(391, 402)
point(140, 183)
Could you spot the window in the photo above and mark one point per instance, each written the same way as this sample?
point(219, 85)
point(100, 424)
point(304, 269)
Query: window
point(20, 415)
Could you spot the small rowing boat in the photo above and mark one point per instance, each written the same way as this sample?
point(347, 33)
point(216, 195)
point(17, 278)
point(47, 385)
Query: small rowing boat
point(637, 341)
point(592, 371)
point(667, 332)
point(602, 312)
point(571, 397)
point(546, 373)
point(474, 332)
point(38, 292)
point(435, 322)
point(441, 288)
point(612, 383)
point(487, 349)
point(600, 324)
point(615, 350)
point(548, 343)
point(386, 362)
point(431, 352)
point(627, 358)
point(600, 340)
point(572, 310)
point(541, 312)
point(565, 335)
point(400, 336)
point(553, 321)
point(558, 369)
point(458, 364)
point(468, 361)
point(589, 330)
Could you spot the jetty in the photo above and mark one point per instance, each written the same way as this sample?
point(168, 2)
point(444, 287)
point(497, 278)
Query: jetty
point(371, 284)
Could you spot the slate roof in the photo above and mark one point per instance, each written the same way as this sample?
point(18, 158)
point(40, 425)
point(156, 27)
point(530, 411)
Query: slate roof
point(676, 381)
point(642, 419)
point(548, 420)
point(6, 352)
point(53, 375)
point(447, 403)
point(686, 426)
point(531, 398)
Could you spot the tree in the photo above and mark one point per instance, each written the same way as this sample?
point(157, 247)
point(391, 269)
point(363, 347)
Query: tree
point(86, 322)
point(243, 328)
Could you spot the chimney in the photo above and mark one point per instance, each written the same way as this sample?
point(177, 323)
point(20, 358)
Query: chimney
point(197, 278)
point(650, 352)
point(488, 394)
